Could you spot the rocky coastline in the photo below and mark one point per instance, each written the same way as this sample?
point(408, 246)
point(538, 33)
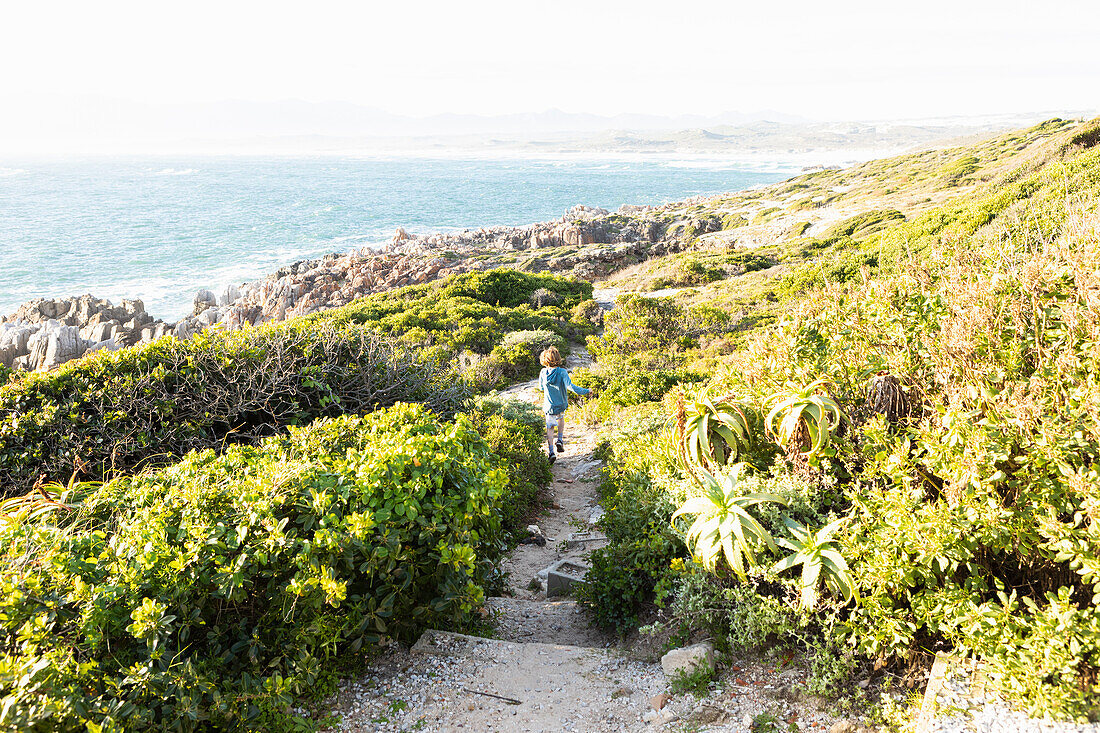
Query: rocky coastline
point(586, 242)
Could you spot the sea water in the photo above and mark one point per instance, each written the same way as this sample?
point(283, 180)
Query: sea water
point(160, 229)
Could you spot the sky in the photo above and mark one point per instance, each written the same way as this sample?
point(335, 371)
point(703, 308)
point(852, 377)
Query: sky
point(823, 61)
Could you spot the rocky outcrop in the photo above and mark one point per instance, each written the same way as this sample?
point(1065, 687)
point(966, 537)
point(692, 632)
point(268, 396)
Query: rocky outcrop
point(47, 332)
point(586, 242)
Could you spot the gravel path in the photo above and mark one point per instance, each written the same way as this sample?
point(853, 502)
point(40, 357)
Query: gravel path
point(960, 700)
point(557, 672)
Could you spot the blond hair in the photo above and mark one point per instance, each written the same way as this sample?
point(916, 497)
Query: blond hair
point(550, 357)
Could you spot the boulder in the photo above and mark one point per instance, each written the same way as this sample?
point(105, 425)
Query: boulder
point(108, 345)
point(576, 236)
point(58, 345)
point(99, 331)
point(230, 295)
point(208, 317)
point(17, 335)
point(187, 328)
point(204, 299)
point(688, 659)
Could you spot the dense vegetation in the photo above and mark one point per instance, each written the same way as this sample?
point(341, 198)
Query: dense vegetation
point(116, 411)
point(219, 589)
point(166, 598)
point(914, 426)
point(491, 322)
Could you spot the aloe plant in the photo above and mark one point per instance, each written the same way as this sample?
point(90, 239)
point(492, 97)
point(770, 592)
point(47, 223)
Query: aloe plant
point(723, 526)
point(39, 502)
point(819, 557)
point(715, 431)
point(803, 420)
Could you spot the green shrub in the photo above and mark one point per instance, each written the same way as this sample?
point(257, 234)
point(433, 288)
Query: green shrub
point(738, 616)
point(115, 411)
point(689, 271)
point(958, 170)
point(472, 311)
point(516, 434)
point(586, 317)
point(511, 288)
point(211, 592)
point(863, 225)
point(640, 324)
point(633, 380)
point(753, 261)
point(518, 354)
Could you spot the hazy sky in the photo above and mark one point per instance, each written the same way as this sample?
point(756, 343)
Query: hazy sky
point(838, 60)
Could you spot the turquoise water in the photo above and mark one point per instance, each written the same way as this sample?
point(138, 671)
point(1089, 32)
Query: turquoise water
point(159, 229)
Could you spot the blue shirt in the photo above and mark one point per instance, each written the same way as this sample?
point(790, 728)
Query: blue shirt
point(554, 382)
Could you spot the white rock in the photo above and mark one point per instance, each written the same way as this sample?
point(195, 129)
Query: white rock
point(204, 299)
point(687, 659)
point(230, 295)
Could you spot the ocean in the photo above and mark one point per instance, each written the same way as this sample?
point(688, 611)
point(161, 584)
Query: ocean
point(160, 229)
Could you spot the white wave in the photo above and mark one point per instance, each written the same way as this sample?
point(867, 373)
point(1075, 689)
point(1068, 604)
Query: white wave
point(9, 172)
point(176, 172)
point(380, 235)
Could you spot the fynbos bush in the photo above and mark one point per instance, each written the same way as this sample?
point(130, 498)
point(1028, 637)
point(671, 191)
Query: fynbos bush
point(117, 411)
point(205, 594)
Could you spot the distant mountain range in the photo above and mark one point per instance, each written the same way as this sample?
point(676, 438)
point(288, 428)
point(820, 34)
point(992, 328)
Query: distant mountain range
point(42, 124)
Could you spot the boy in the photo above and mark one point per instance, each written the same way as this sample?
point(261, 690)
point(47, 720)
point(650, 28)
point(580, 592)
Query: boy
point(555, 385)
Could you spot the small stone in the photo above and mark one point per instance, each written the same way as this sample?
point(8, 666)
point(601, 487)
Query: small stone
point(843, 726)
point(622, 691)
point(658, 701)
point(688, 659)
point(707, 714)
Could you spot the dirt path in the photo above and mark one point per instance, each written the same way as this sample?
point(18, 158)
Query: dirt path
point(565, 674)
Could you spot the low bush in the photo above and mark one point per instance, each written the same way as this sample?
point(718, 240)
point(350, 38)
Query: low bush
point(632, 380)
point(640, 324)
point(212, 593)
point(472, 311)
point(512, 288)
point(689, 271)
point(116, 411)
point(516, 434)
point(518, 353)
point(625, 574)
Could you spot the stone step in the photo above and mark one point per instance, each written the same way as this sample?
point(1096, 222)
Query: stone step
point(453, 644)
point(564, 576)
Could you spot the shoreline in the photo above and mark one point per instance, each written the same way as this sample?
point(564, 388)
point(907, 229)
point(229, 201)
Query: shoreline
point(587, 242)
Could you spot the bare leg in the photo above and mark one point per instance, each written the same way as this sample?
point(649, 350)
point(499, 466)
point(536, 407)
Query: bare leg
point(550, 433)
point(561, 426)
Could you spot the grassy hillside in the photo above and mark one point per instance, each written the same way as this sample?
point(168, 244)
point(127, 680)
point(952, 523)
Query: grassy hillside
point(914, 388)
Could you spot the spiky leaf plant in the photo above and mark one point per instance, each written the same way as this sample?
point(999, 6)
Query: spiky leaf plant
point(803, 420)
point(715, 431)
point(723, 526)
point(819, 556)
point(42, 500)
